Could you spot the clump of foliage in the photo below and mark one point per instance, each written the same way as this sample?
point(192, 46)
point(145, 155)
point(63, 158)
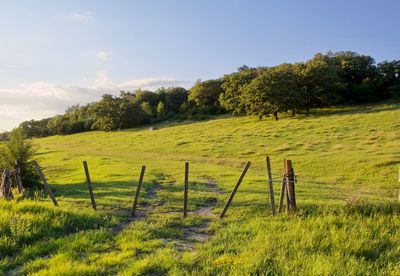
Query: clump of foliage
point(18, 148)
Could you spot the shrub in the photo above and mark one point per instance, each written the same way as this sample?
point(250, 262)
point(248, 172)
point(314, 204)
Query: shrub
point(18, 148)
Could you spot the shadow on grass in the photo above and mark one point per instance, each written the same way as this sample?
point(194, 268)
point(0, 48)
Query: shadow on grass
point(359, 109)
point(125, 190)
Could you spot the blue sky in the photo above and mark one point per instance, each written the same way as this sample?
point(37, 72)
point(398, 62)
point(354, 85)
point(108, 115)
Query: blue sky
point(57, 53)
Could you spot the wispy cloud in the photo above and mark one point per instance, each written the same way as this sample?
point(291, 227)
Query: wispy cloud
point(79, 17)
point(39, 100)
point(104, 82)
point(102, 56)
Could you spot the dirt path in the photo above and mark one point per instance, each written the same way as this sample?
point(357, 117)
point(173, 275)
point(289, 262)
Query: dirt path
point(192, 235)
point(200, 233)
point(140, 214)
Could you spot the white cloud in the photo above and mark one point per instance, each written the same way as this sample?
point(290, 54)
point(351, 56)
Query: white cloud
point(79, 17)
point(103, 56)
point(39, 100)
point(104, 82)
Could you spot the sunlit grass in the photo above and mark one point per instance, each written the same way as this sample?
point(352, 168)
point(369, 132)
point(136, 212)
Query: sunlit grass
point(346, 160)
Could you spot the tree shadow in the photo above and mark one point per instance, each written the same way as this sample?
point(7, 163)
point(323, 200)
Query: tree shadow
point(359, 109)
point(125, 190)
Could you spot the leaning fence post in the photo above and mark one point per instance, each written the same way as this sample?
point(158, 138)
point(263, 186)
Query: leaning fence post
point(39, 170)
point(89, 183)
point(271, 187)
point(186, 190)
point(138, 190)
point(228, 203)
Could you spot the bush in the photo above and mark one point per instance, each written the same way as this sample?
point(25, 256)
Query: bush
point(18, 148)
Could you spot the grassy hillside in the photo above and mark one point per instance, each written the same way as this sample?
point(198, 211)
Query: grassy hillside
point(348, 222)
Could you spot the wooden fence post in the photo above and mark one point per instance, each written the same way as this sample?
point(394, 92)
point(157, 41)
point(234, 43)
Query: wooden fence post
point(271, 187)
point(289, 186)
point(5, 185)
point(282, 195)
point(228, 203)
point(44, 180)
point(399, 181)
point(186, 190)
point(89, 183)
point(17, 169)
point(138, 190)
point(292, 182)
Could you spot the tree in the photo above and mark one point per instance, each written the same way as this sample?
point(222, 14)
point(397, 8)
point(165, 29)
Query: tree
point(18, 148)
point(58, 125)
point(161, 113)
point(174, 98)
point(147, 109)
point(147, 96)
point(233, 85)
point(388, 83)
point(320, 82)
point(353, 69)
point(275, 90)
point(206, 95)
point(35, 128)
point(107, 113)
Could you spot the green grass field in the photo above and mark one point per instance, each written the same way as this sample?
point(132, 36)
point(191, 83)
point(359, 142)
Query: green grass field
point(348, 222)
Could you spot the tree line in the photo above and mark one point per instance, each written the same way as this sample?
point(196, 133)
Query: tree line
point(325, 80)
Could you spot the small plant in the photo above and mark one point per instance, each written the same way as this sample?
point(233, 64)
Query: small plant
point(19, 228)
point(18, 148)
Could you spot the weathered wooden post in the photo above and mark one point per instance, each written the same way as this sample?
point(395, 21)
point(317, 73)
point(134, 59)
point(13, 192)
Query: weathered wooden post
point(186, 190)
point(289, 181)
point(288, 167)
point(5, 185)
point(17, 169)
point(228, 203)
point(138, 190)
point(44, 180)
point(283, 193)
point(89, 183)
point(271, 187)
point(292, 183)
point(399, 181)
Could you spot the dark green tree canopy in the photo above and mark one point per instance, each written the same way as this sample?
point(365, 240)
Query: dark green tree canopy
point(206, 94)
point(275, 90)
point(233, 85)
point(325, 80)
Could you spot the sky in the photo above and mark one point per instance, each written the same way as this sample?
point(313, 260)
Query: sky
point(54, 54)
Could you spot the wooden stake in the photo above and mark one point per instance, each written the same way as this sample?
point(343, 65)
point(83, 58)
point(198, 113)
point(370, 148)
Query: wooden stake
point(5, 185)
point(288, 204)
point(44, 180)
point(289, 186)
point(292, 179)
point(398, 197)
point(17, 169)
point(89, 183)
point(271, 187)
point(282, 196)
point(138, 190)
point(186, 191)
point(228, 203)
